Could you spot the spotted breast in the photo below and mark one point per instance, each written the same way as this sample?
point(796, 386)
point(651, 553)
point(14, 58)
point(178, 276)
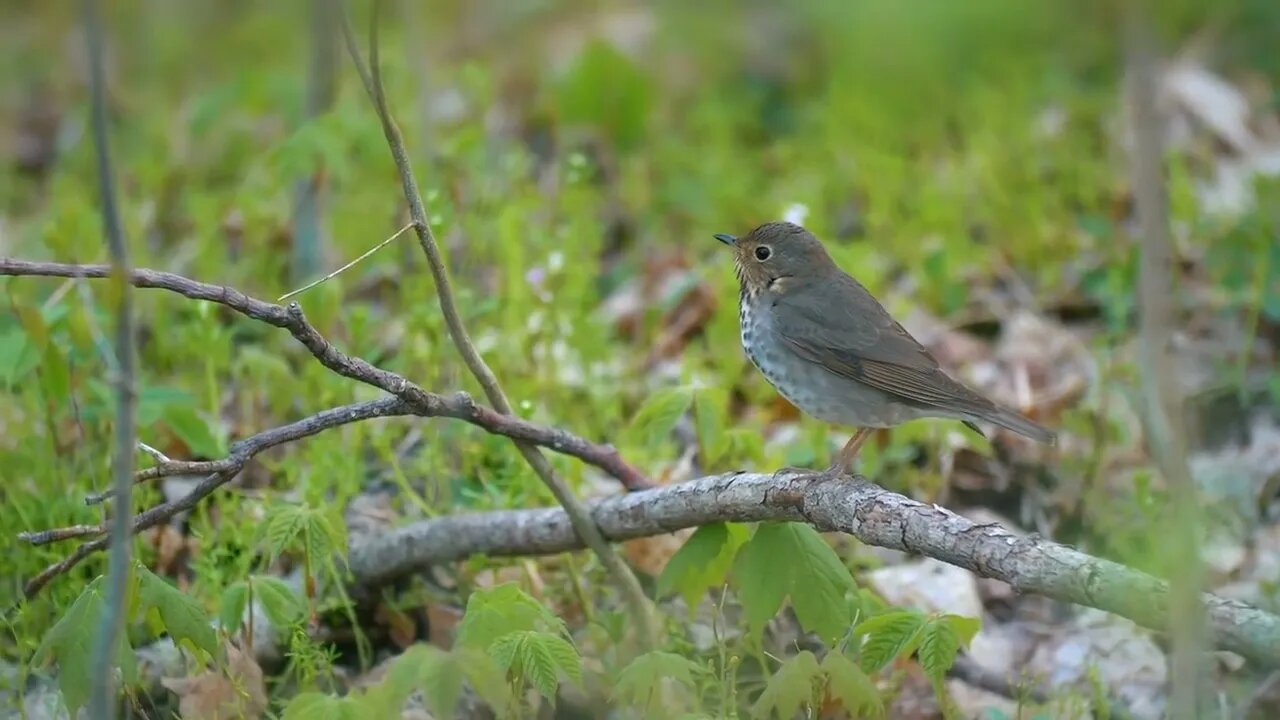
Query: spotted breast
point(809, 386)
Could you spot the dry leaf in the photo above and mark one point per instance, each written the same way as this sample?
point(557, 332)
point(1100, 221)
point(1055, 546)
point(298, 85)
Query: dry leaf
point(222, 693)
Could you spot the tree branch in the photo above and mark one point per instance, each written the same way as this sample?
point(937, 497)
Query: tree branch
point(1163, 419)
point(418, 401)
point(102, 694)
point(856, 507)
point(576, 512)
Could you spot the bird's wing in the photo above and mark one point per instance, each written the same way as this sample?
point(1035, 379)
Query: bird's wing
point(843, 328)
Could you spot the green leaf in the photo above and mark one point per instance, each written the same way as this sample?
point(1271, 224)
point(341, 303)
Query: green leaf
point(888, 636)
point(710, 406)
point(423, 666)
point(281, 604)
point(658, 415)
point(792, 559)
point(608, 91)
point(790, 689)
point(702, 562)
point(284, 525)
point(181, 615)
point(640, 679)
point(938, 647)
point(847, 683)
point(501, 610)
point(964, 627)
point(318, 706)
point(70, 643)
point(232, 604)
point(486, 678)
point(762, 578)
point(206, 437)
point(538, 657)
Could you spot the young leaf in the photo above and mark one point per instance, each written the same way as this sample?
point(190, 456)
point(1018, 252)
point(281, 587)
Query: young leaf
point(938, 647)
point(888, 636)
point(423, 666)
point(820, 583)
point(702, 562)
point(232, 605)
point(500, 610)
point(658, 415)
point(318, 706)
point(538, 657)
point(964, 627)
point(284, 524)
point(280, 603)
point(847, 683)
point(792, 559)
point(205, 437)
point(181, 615)
point(762, 577)
point(486, 678)
point(70, 643)
point(709, 411)
point(639, 680)
point(791, 688)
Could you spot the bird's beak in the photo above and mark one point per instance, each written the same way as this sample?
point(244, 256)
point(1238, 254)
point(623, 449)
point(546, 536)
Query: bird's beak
point(727, 239)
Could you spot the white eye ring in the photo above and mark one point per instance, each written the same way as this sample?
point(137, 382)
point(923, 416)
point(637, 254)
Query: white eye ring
point(763, 252)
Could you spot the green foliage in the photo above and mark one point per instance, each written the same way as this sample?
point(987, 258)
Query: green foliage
point(318, 706)
point(792, 687)
point(606, 90)
point(70, 644)
point(179, 614)
point(639, 683)
point(847, 683)
point(280, 603)
point(792, 559)
point(941, 174)
point(702, 562)
point(657, 416)
point(501, 610)
point(539, 658)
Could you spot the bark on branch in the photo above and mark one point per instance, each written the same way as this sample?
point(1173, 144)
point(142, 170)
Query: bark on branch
point(848, 505)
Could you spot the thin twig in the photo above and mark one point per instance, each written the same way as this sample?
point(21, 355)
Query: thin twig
point(622, 575)
point(102, 696)
point(346, 267)
point(242, 451)
point(1164, 426)
point(420, 402)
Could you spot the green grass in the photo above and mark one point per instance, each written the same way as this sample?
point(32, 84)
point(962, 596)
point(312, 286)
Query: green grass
point(919, 120)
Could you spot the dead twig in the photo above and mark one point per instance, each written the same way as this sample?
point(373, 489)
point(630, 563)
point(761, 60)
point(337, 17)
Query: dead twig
point(581, 521)
point(419, 402)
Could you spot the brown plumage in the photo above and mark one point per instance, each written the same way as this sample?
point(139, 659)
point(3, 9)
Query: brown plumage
point(831, 349)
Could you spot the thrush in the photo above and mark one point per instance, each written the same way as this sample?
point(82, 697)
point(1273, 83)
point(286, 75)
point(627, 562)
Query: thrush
point(835, 353)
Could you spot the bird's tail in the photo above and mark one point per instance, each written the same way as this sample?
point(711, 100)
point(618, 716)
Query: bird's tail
point(1018, 423)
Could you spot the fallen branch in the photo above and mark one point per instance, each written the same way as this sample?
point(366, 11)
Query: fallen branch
point(417, 401)
point(853, 506)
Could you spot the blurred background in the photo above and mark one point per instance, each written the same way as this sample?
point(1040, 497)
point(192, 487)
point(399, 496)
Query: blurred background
point(968, 162)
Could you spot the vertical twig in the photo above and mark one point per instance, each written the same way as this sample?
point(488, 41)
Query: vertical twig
point(1165, 424)
point(102, 698)
point(308, 208)
point(579, 518)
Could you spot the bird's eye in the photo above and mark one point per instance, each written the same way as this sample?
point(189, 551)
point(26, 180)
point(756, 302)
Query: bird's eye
point(763, 252)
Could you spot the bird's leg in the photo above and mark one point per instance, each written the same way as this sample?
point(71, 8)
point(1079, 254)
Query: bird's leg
point(845, 458)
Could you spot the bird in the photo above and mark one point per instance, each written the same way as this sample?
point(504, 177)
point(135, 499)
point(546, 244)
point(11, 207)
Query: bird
point(832, 350)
